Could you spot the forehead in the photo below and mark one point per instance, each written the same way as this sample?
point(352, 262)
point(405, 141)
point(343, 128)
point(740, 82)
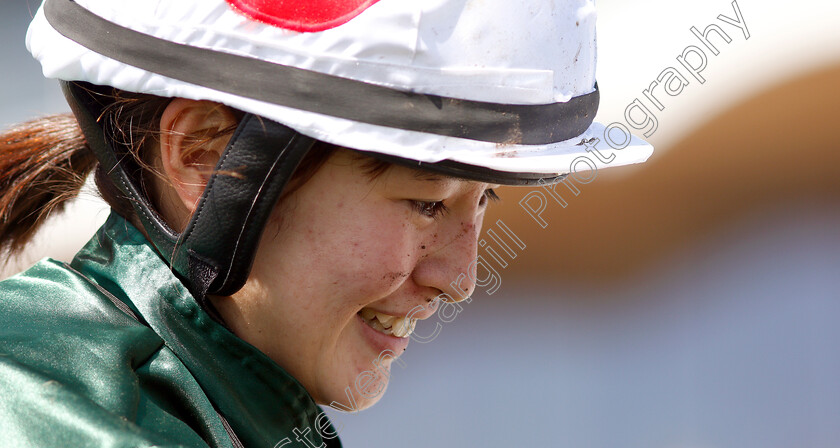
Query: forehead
point(431, 176)
point(421, 177)
point(388, 170)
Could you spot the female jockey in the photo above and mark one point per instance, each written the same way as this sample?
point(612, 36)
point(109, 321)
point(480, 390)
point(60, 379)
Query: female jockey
point(293, 186)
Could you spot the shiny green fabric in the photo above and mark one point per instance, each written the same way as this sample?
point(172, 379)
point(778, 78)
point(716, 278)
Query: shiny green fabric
point(76, 371)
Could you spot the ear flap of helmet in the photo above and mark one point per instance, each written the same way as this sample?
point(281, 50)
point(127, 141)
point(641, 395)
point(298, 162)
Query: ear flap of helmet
point(215, 252)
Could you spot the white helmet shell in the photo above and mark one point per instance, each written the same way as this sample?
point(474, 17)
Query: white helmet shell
point(536, 52)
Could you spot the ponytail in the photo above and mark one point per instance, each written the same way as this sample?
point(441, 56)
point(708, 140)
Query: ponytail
point(43, 163)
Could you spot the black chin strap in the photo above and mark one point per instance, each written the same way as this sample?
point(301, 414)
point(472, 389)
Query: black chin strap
point(216, 250)
point(225, 230)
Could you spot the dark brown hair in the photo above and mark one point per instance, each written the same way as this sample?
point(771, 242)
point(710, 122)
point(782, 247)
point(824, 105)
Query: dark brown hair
point(45, 162)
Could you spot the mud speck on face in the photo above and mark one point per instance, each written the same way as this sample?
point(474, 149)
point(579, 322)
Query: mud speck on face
point(394, 276)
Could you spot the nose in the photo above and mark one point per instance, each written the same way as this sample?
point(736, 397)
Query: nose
point(448, 263)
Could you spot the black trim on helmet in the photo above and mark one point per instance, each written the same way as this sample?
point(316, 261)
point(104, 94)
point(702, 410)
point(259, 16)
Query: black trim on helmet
point(323, 93)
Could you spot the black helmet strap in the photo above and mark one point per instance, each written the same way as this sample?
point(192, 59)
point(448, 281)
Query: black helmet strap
point(216, 250)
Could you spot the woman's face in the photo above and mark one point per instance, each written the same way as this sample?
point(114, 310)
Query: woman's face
point(346, 256)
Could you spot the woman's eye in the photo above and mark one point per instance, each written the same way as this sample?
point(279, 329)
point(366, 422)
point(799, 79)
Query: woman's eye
point(489, 195)
point(434, 209)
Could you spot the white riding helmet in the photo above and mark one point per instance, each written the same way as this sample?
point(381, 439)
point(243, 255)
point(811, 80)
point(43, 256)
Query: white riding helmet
point(483, 83)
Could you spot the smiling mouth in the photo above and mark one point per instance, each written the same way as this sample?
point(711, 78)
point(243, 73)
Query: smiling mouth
point(400, 327)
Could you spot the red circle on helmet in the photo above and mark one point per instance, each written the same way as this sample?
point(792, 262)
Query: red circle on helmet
point(302, 15)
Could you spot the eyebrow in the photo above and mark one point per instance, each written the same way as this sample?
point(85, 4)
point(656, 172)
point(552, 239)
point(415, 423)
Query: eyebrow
point(431, 176)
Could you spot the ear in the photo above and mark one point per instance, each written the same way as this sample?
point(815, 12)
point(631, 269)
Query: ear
point(188, 151)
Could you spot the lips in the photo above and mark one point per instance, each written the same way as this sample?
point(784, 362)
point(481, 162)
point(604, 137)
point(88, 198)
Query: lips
point(396, 326)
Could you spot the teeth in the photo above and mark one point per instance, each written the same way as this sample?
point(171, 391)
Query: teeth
point(400, 327)
point(386, 319)
point(377, 326)
point(368, 314)
point(403, 327)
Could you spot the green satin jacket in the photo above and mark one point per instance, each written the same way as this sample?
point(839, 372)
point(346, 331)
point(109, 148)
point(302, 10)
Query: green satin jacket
point(113, 351)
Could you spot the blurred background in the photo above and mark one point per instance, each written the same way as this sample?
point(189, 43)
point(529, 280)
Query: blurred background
point(690, 302)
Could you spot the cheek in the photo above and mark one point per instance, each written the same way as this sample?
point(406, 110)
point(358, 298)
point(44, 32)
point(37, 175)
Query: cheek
point(335, 251)
point(370, 255)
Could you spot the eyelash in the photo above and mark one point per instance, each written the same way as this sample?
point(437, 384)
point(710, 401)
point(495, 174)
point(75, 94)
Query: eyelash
point(432, 210)
point(436, 209)
point(489, 195)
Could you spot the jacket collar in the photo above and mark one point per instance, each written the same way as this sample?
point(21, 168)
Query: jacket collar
point(261, 401)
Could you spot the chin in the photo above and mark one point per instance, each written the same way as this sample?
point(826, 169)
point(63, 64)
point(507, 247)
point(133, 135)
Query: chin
point(364, 388)
point(365, 403)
